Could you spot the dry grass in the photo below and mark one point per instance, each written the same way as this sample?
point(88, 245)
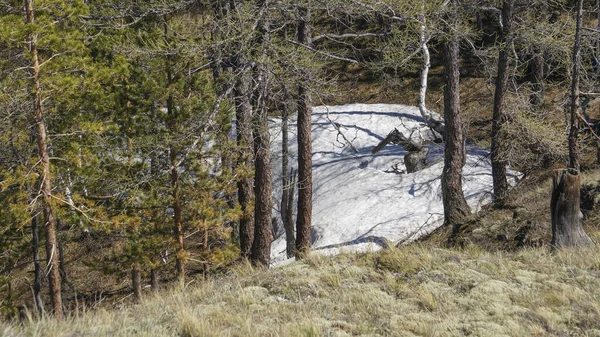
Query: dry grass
point(414, 290)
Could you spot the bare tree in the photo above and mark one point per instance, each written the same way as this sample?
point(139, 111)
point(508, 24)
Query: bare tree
point(500, 116)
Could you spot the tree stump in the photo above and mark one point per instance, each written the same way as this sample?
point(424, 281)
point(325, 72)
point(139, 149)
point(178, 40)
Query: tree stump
point(416, 161)
point(567, 229)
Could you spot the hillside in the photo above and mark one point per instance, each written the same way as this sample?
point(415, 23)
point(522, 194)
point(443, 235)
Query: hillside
point(417, 290)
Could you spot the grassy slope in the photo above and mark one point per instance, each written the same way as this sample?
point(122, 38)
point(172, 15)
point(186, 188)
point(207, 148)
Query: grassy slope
point(415, 290)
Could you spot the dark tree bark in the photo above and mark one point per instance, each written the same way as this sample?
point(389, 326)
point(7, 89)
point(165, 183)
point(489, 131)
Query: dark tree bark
point(205, 253)
point(172, 113)
point(154, 283)
point(500, 116)
point(177, 221)
point(263, 187)
point(243, 111)
point(288, 222)
point(455, 206)
point(537, 80)
point(567, 230)
point(263, 204)
point(536, 67)
point(61, 257)
point(54, 279)
point(136, 281)
point(37, 276)
point(574, 132)
point(304, 216)
point(287, 194)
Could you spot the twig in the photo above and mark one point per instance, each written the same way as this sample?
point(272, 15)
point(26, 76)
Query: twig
point(322, 52)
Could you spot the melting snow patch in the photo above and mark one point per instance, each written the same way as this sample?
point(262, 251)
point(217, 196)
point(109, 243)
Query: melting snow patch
point(363, 201)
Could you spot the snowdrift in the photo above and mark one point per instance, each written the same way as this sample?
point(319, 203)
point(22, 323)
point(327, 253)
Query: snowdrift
point(363, 201)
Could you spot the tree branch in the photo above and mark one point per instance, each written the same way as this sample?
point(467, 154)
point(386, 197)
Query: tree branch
point(322, 52)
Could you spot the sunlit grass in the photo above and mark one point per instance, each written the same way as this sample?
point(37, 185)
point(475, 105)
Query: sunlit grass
point(417, 290)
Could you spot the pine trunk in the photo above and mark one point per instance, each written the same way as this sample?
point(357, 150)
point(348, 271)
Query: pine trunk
point(455, 206)
point(243, 111)
point(172, 113)
point(288, 188)
point(263, 187)
point(304, 216)
point(37, 276)
point(261, 246)
point(567, 230)
point(177, 220)
point(574, 132)
point(136, 281)
point(290, 234)
point(54, 279)
point(154, 283)
point(537, 82)
point(500, 116)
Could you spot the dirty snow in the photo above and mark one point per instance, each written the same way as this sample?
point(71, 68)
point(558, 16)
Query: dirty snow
point(362, 201)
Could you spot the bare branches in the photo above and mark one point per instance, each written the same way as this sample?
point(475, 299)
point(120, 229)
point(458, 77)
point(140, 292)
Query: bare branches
point(340, 58)
point(345, 36)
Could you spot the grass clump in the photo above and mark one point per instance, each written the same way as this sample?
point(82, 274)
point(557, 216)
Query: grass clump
point(417, 290)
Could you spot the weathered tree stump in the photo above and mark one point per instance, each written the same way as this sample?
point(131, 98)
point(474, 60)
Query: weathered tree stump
point(567, 229)
point(415, 159)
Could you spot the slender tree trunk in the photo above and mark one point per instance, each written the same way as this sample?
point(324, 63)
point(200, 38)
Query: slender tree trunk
point(536, 68)
point(180, 255)
point(284, 160)
point(537, 82)
point(37, 276)
point(290, 234)
point(178, 228)
point(455, 206)
point(243, 111)
point(154, 283)
point(435, 125)
point(426, 63)
point(304, 216)
point(263, 190)
point(288, 187)
point(206, 251)
point(261, 246)
point(500, 116)
point(574, 132)
point(61, 257)
point(45, 174)
point(136, 281)
point(597, 56)
point(567, 230)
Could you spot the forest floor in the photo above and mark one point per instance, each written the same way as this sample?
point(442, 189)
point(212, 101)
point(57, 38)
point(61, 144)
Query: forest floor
point(416, 290)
